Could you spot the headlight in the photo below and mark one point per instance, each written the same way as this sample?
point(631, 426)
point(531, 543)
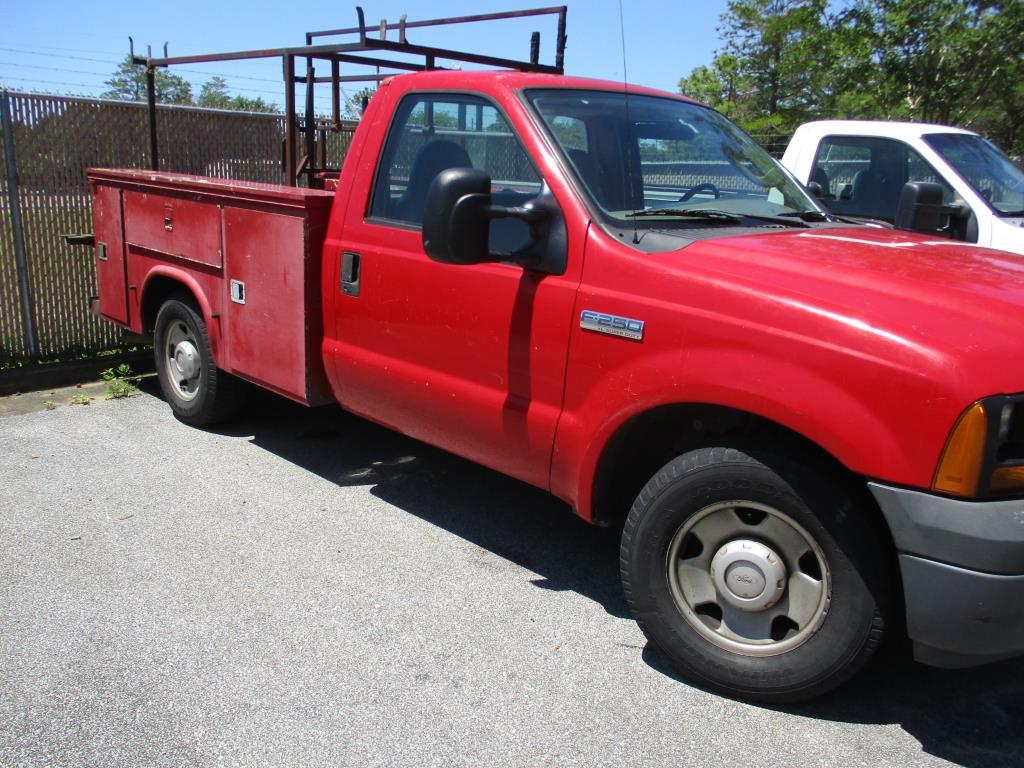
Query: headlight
point(984, 453)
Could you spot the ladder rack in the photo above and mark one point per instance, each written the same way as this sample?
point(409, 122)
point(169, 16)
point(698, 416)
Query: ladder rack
point(335, 54)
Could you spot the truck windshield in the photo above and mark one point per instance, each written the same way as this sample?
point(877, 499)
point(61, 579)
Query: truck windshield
point(991, 173)
point(662, 155)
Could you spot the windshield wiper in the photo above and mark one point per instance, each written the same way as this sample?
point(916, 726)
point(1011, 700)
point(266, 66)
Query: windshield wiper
point(723, 216)
point(689, 213)
point(808, 216)
point(778, 220)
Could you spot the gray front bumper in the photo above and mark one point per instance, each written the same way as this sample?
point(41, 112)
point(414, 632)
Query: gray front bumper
point(962, 565)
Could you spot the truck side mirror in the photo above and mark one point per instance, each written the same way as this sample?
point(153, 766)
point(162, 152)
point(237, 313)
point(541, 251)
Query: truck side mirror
point(920, 209)
point(457, 216)
point(455, 220)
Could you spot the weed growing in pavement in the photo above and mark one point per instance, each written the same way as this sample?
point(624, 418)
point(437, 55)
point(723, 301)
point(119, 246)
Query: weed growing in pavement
point(120, 381)
point(81, 399)
point(49, 405)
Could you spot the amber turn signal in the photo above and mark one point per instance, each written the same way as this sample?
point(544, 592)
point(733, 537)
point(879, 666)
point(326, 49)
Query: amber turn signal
point(960, 465)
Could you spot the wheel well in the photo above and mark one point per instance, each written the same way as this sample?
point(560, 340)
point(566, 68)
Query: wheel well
point(651, 439)
point(157, 291)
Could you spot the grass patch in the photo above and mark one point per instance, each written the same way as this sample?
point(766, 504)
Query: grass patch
point(81, 399)
point(11, 361)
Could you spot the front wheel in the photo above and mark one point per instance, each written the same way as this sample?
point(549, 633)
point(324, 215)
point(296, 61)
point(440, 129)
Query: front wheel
point(756, 577)
point(198, 392)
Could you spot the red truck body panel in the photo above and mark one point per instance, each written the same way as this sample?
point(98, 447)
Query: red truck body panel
point(108, 230)
point(469, 358)
point(204, 233)
point(868, 343)
point(184, 228)
point(863, 341)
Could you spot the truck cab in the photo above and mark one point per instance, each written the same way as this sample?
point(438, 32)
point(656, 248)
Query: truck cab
point(862, 165)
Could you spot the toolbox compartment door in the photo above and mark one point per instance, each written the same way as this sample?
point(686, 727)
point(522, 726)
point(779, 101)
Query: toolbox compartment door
point(109, 253)
point(265, 282)
point(173, 226)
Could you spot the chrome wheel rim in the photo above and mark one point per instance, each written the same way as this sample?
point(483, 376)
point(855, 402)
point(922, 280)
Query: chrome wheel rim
point(748, 578)
point(182, 361)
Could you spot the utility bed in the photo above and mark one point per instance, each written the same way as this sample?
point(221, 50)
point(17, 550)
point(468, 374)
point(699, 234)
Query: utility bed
point(255, 248)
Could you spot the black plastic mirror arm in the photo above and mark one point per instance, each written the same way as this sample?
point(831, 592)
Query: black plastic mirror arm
point(528, 213)
point(548, 249)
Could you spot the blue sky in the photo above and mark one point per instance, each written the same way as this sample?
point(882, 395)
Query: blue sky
point(72, 47)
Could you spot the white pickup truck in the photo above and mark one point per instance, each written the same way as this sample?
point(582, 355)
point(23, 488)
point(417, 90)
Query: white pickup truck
point(861, 167)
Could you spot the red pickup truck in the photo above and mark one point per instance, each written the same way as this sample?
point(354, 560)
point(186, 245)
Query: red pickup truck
point(810, 432)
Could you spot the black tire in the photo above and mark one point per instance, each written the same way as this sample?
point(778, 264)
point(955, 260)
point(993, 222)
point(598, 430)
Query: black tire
point(855, 584)
point(207, 396)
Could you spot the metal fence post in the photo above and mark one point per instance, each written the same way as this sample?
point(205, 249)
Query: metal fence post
point(24, 289)
point(154, 153)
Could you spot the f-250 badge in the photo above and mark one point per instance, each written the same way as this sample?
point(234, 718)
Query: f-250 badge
point(614, 325)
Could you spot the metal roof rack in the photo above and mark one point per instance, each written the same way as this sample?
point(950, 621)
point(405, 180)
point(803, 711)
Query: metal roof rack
point(338, 53)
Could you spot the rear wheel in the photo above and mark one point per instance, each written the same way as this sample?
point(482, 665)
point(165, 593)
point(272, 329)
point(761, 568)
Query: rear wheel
point(757, 577)
point(198, 392)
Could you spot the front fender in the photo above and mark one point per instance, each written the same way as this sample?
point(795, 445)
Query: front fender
point(869, 438)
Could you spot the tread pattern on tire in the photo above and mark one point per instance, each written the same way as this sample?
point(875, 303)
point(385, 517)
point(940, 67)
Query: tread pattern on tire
point(673, 471)
point(222, 396)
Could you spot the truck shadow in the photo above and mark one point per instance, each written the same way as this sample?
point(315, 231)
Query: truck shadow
point(972, 717)
point(515, 521)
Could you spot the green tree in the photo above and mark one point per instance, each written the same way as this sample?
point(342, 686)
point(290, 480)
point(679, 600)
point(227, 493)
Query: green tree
point(1003, 119)
point(352, 108)
point(214, 93)
point(777, 44)
point(936, 61)
point(723, 85)
point(129, 83)
point(770, 74)
point(955, 62)
point(247, 104)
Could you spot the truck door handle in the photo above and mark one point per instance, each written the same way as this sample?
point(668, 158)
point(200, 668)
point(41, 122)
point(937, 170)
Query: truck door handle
point(350, 273)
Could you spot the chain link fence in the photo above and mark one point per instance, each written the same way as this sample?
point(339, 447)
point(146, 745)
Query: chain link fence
point(774, 143)
point(53, 139)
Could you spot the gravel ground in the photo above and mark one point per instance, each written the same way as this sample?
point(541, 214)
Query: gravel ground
point(306, 589)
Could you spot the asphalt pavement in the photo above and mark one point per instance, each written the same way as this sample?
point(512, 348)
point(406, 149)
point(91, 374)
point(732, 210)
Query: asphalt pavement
point(303, 588)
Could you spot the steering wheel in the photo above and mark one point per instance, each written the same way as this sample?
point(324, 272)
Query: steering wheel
point(706, 186)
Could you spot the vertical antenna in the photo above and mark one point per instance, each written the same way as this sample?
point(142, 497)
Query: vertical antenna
point(629, 123)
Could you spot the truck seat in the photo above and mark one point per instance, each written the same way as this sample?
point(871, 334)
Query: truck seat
point(432, 158)
point(874, 195)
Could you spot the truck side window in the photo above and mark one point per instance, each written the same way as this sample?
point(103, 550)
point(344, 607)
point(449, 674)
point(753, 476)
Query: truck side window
point(433, 132)
point(863, 175)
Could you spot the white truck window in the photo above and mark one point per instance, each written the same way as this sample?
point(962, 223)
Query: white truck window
point(996, 179)
point(863, 175)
